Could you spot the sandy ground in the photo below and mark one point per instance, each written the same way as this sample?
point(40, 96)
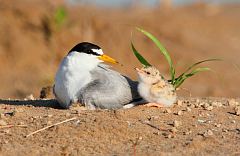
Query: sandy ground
point(194, 126)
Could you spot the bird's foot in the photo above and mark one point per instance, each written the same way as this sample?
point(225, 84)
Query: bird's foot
point(151, 104)
point(78, 106)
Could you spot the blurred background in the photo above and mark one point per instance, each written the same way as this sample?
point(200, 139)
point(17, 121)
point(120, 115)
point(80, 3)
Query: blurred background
point(35, 35)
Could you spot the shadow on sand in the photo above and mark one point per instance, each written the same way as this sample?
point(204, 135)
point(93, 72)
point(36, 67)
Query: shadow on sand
point(52, 103)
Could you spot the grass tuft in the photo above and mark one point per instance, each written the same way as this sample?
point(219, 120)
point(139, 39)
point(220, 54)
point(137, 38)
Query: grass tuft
point(175, 81)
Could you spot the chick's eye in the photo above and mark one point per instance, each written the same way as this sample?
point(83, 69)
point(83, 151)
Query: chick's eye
point(148, 73)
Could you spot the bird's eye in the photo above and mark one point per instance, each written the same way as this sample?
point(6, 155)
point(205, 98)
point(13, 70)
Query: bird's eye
point(148, 73)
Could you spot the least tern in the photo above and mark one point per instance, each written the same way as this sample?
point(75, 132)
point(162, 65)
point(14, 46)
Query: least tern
point(154, 88)
point(83, 77)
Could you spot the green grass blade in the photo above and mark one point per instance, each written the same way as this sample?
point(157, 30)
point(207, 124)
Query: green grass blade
point(163, 50)
point(195, 71)
point(197, 63)
point(60, 15)
point(139, 56)
point(185, 76)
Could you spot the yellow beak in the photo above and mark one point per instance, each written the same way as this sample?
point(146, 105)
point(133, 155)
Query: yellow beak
point(107, 59)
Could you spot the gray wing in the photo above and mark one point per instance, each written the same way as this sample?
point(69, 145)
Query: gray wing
point(109, 89)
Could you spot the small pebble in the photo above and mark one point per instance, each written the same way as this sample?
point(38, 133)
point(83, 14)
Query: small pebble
point(156, 133)
point(233, 121)
point(167, 111)
point(49, 122)
point(50, 115)
point(68, 114)
point(2, 116)
point(209, 108)
point(216, 104)
point(32, 119)
point(30, 97)
point(214, 130)
point(35, 117)
point(201, 121)
point(128, 122)
point(187, 132)
point(79, 122)
point(237, 110)
point(218, 125)
point(177, 123)
point(209, 121)
point(197, 105)
point(3, 123)
point(170, 136)
point(201, 113)
point(179, 102)
point(188, 109)
point(174, 130)
point(21, 123)
point(192, 106)
point(232, 102)
point(180, 112)
point(205, 105)
point(208, 133)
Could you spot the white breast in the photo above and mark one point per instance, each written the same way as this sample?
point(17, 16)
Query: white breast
point(144, 91)
point(72, 75)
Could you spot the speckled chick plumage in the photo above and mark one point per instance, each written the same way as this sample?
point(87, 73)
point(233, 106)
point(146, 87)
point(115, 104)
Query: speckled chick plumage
point(154, 88)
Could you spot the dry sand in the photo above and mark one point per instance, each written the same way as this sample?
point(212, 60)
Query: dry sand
point(194, 126)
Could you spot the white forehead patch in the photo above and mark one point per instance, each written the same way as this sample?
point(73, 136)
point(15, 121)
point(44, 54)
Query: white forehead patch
point(98, 51)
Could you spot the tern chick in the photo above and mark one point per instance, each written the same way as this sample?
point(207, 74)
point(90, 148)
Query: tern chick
point(154, 88)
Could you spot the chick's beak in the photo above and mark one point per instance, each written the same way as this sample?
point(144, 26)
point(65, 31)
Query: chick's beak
point(138, 70)
point(107, 59)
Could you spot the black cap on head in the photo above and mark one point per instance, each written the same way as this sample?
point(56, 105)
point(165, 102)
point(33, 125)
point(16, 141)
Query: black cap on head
point(85, 47)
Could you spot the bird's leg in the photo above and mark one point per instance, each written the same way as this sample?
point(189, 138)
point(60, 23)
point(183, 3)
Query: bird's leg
point(77, 106)
point(152, 104)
